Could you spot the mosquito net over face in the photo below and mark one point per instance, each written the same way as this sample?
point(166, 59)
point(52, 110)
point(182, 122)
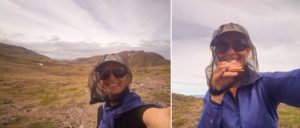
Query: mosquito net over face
point(250, 74)
point(96, 89)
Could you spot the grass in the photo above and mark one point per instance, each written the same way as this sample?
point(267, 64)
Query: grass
point(289, 117)
point(22, 121)
point(162, 96)
point(15, 121)
point(38, 96)
point(145, 72)
point(28, 91)
point(180, 122)
point(41, 125)
point(49, 99)
point(186, 111)
point(152, 79)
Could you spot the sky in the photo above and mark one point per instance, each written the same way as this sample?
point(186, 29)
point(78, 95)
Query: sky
point(273, 25)
point(68, 29)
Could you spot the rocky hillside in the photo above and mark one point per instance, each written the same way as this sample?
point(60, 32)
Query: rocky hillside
point(20, 52)
point(134, 59)
point(144, 59)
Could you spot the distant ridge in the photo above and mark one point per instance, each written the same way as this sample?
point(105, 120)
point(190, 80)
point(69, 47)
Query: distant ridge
point(7, 50)
point(141, 58)
point(19, 54)
point(198, 96)
point(134, 59)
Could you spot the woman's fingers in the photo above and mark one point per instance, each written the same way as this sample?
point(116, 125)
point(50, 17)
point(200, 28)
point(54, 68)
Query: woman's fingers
point(222, 76)
point(219, 73)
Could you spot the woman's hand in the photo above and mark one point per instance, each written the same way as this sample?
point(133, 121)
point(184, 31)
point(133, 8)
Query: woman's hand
point(222, 77)
point(157, 117)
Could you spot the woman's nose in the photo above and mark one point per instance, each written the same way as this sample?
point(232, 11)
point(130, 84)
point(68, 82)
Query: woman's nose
point(230, 51)
point(111, 76)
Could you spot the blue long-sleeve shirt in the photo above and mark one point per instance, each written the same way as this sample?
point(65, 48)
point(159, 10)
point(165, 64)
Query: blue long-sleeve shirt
point(255, 105)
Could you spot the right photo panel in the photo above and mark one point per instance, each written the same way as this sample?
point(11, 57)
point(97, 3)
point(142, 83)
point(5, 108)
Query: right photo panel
point(235, 64)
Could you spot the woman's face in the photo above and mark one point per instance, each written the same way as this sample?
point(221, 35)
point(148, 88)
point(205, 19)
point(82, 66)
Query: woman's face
point(114, 78)
point(232, 46)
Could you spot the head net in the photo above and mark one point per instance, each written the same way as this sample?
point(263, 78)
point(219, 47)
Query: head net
point(251, 65)
point(96, 89)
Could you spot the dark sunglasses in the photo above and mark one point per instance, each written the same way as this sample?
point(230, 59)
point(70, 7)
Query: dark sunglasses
point(237, 46)
point(118, 73)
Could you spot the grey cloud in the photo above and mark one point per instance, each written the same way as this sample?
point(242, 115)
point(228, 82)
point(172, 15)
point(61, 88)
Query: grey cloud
point(268, 22)
point(161, 47)
point(91, 8)
point(11, 36)
point(71, 50)
point(90, 21)
point(50, 16)
point(135, 17)
point(17, 35)
point(182, 29)
point(162, 31)
point(40, 11)
point(54, 39)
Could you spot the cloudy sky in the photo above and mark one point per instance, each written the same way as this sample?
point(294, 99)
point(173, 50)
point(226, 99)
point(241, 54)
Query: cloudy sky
point(273, 25)
point(67, 29)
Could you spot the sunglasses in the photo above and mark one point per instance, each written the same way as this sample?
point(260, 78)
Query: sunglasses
point(237, 46)
point(118, 73)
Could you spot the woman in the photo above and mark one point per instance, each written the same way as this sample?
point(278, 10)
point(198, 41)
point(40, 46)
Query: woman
point(109, 83)
point(240, 96)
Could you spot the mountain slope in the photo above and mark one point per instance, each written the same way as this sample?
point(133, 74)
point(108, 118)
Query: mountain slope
point(20, 52)
point(134, 59)
point(145, 59)
point(185, 110)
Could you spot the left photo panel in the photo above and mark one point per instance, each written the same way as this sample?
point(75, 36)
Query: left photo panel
point(85, 64)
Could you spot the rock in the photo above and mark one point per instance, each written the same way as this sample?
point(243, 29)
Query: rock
point(5, 123)
point(7, 101)
point(13, 118)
